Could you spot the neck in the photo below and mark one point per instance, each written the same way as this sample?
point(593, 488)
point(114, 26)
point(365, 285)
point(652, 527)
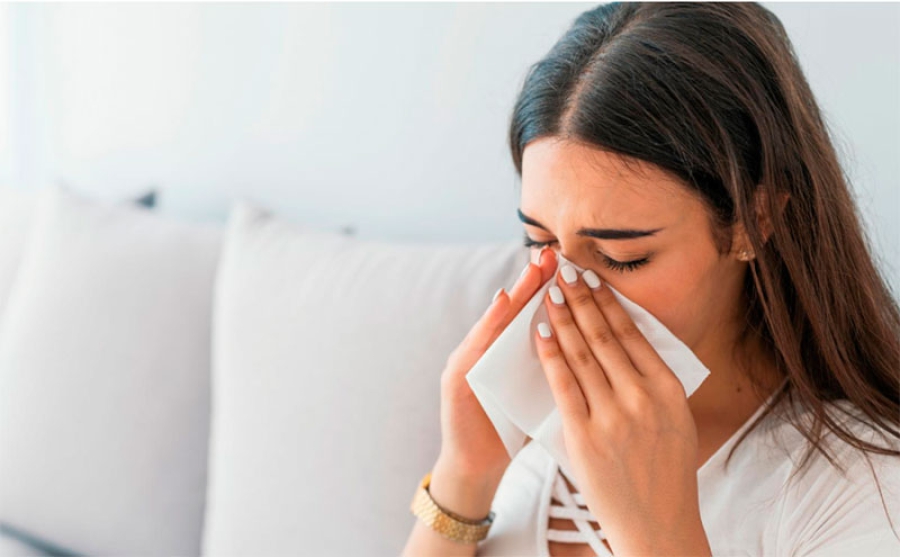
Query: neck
point(729, 394)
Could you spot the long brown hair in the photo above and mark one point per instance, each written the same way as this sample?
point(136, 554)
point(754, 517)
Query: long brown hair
point(713, 93)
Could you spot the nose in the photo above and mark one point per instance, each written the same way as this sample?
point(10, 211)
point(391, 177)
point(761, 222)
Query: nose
point(568, 257)
point(538, 253)
point(572, 260)
point(557, 252)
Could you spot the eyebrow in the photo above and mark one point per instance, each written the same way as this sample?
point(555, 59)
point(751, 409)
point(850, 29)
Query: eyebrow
point(601, 233)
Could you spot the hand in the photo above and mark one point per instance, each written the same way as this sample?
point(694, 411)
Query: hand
point(628, 429)
point(470, 444)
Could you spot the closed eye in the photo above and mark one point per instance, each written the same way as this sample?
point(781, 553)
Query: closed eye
point(620, 266)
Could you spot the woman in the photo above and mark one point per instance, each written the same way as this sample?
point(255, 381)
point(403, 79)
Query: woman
point(675, 151)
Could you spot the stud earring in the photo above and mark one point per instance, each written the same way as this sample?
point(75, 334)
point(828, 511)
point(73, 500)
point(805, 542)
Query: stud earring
point(745, 255)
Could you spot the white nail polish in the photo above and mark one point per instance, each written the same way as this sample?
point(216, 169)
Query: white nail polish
point(568, 274)
point(499, 290)
point(525, 270)
point(556, 295)
point(591, 279)
point(543, 330)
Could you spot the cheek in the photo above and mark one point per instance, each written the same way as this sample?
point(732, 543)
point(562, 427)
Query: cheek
point(676, 291)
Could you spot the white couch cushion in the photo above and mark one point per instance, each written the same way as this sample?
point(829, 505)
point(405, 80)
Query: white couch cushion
point(16, 213)
point(104, 379)
point(14, 543)
point(327, 355)
point(13, 547)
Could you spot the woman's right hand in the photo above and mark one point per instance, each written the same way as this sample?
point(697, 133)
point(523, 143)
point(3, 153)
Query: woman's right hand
point(470, 444)
point(473, 458)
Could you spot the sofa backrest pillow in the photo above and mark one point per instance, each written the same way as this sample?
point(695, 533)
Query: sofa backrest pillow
point(327, 355)
point(104, 379)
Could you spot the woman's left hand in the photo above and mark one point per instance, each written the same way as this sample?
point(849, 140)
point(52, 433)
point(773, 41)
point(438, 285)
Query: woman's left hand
point(628, 430)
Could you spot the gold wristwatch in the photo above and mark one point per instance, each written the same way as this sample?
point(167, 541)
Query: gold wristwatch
point(449, 524)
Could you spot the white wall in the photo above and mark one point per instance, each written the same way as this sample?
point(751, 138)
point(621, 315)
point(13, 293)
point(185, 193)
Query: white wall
point(6, 163)
point(387, 117)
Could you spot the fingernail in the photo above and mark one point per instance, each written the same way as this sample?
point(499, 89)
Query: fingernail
point(544, 330)
point(556, 295)
point(524, 271)
point(499, 290)
point(591, 279)
point(568, 274)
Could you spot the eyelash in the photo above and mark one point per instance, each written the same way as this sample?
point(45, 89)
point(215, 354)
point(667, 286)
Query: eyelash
point(620, 266)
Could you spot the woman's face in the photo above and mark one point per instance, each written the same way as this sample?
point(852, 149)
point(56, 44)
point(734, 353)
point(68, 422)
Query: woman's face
point(677, 274)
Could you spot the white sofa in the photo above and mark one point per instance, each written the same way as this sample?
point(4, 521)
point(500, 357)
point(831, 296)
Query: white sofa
point(258, 388)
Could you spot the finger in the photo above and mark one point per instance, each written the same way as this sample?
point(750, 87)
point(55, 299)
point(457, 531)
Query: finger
point(547, 261)
point(522, 291)
point(587, 370)
point(489, 325)
point(527, 284)
point(598, 333)
point(567, 392)
point(644, 357)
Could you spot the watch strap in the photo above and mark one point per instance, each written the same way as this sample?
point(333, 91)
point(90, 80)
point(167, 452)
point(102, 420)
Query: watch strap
point(447, 523)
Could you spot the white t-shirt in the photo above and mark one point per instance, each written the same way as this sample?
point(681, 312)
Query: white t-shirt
point(747, 509)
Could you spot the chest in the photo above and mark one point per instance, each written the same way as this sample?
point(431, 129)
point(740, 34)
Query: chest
point(707, 448)
point(558, 526)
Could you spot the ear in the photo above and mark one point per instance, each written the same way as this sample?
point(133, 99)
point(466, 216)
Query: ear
point(762, 215)
point(741, 242)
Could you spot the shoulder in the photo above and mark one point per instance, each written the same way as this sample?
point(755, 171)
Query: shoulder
point(850, 506)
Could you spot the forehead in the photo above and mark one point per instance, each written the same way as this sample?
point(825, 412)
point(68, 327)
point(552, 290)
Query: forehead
point(571, 179)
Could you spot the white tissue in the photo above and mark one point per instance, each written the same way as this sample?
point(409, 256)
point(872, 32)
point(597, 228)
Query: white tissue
point(510, 383)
